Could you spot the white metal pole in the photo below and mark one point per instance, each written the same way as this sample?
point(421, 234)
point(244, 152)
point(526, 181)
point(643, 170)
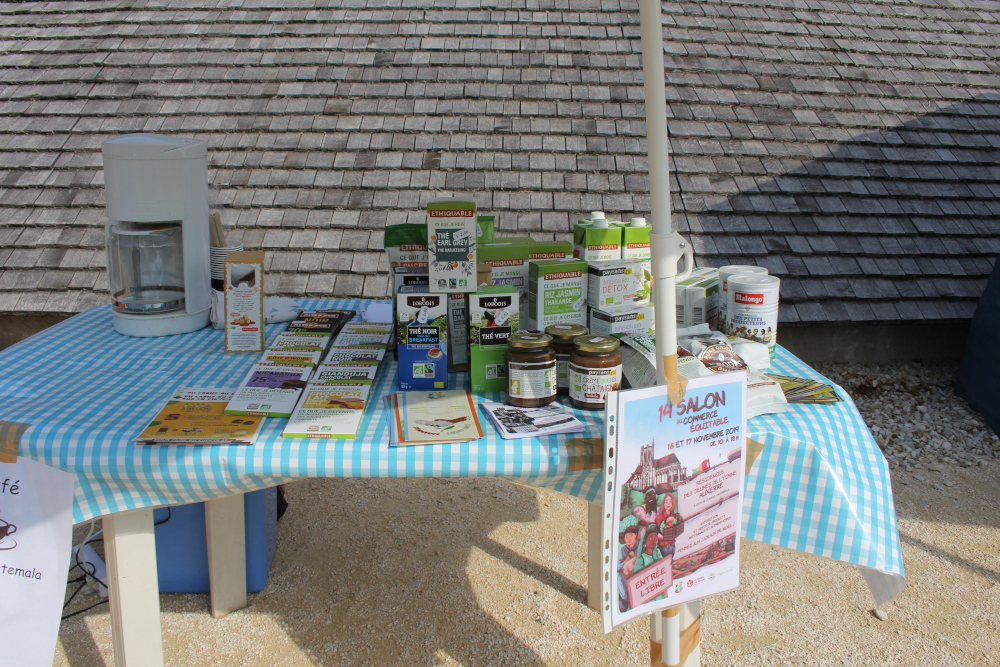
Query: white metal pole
point(665, 246)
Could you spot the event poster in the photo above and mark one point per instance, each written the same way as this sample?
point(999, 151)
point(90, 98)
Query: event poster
point(677, 504)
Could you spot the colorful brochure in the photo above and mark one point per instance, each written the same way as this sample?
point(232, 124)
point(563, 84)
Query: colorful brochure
point(428, 417)
point(193, 416)
point(330, 409)
point(512, 422)
point(804, 390)
point(269, 390)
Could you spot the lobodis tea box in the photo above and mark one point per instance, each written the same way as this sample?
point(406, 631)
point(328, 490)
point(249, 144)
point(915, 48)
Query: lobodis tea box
point(557, 293)
point(615, 282)
point(422, 339)
point(452, 232)
point(493, 315)
point(633, 318)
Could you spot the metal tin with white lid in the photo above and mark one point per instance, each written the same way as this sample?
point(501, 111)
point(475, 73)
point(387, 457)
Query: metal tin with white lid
point(724, 273)
point(753, 308)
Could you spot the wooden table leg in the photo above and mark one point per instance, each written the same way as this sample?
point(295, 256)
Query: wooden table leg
point(227, 562)
point(133, 589)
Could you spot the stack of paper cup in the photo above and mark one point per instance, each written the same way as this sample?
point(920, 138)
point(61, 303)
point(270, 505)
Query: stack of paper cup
point(217, 258)
point(724, 273)
point(753, 308)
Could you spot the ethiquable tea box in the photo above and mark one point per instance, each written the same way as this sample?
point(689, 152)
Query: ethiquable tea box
point(493, 315)
point(406, 245)
point(269, 390)
point(614, 282)
point(458, 341)
point(244, 301)
point(508, 262)
point(557, 293)
point(452, 233)
point(422, 339)
point(550, 250)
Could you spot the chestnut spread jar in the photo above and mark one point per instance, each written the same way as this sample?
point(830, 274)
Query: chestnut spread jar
point(595, 368)
point(531, 370)
point(562, 343)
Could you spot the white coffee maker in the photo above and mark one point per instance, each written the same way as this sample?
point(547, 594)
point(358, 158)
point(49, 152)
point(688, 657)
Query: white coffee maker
point(156, 191)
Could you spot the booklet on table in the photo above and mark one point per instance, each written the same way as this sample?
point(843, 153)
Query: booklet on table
point(430, 417)
point(193, 416)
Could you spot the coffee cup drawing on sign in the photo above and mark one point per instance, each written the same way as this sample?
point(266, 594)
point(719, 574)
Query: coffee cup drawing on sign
point(6, 530)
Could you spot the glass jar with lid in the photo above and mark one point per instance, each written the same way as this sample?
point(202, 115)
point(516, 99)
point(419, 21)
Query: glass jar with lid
point(595, 368)
point(562, 344)
point(531, 370)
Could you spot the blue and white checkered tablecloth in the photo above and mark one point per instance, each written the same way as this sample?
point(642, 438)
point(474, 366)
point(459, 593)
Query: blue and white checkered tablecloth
point(820, 485)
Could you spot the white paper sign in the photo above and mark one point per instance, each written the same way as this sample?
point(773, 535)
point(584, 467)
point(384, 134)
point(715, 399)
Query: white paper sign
point(36, 531)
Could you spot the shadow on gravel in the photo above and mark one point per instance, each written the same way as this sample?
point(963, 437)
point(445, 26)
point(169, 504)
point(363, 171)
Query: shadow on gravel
point(375, 571)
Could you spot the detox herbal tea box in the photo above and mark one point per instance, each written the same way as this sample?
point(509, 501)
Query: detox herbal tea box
point(557, 293)
point(452, 232)
point(493, 315)
point(615, 282)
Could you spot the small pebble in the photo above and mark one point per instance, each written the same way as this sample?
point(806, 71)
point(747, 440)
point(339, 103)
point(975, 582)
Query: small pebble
point(880, 614)
point(917, 477)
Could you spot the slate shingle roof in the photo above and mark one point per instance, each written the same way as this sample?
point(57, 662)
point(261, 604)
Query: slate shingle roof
point(853, 149)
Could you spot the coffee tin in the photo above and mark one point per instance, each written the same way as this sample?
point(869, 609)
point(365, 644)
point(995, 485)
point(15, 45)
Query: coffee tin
point(724, 273)
point(753, 308)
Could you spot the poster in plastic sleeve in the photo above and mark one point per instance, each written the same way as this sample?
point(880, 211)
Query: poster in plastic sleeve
point(36, 528)
point(673, 496)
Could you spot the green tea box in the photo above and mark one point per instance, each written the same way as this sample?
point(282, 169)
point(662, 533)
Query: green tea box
point(557, 293)
point(633, 318)
point(508, 262)
point(422, 339)
point(494, 314)
point(596, 239)
point(452, 230)
point(615, 282)
point(550, 250)
point(406, 245)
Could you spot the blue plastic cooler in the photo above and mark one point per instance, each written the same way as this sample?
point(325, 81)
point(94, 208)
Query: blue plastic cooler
point(182, 549)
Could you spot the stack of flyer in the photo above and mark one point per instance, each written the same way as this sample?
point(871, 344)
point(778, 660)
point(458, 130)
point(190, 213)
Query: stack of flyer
point(274, 384)
point(193, 416)
point(430, 417)
point(334, 400)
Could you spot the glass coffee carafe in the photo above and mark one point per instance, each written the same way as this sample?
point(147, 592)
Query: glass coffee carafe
point(145, 267)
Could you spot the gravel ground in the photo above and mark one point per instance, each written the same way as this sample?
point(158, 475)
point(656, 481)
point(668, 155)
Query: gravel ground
point(486, 572)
